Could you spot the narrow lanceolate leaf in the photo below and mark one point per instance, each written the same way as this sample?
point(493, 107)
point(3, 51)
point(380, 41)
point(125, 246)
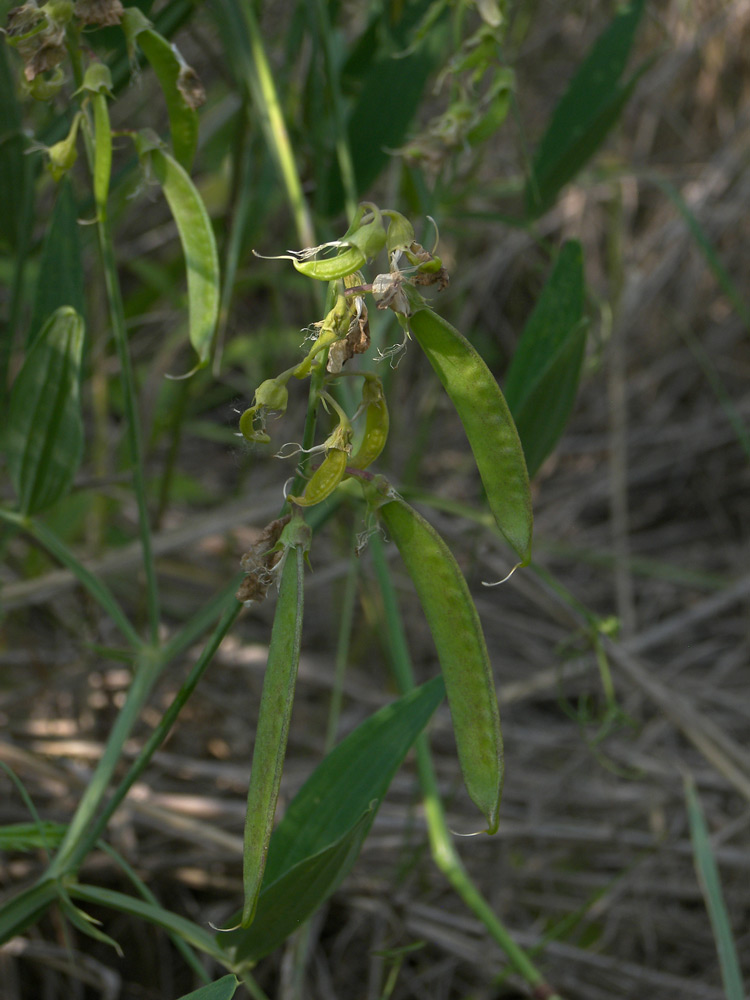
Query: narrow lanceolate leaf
point(462, 652)
point(198, 245)
point(60, 280)
point(273, 727)
point(586, 112)
point(178, 82)
point(44, 432)
point(488, 424)
point(710, 882)
point(222, 989)
point(543, 376)
point(13, 175)
point(317, 841)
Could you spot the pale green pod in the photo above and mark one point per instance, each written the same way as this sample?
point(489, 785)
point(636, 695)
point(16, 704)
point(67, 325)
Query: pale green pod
point(198, 243)
point(488, 424)
point(274, 715)
point(462, 652)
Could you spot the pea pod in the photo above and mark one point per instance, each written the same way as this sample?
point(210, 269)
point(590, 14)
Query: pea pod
point(462, 652)
point(275, 711)
point(488, 424)
point(197, 238)
point(349, 260)
point(325, 479)
point(179, 84)
point(376, 425)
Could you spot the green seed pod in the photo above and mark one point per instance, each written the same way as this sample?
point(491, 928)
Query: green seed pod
point(376, 425)
point(350, 259)
point(275, 712)
point(487, 422)
point(324, 480)
point(63, 154)
point(462, 651)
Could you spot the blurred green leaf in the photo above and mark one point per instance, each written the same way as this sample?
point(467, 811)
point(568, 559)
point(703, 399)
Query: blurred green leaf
point(60, 280)
point(586, 112)
point(12, 171)
point(710, 882)
point(222, 989)
point(543, 376)
point(319, 838)
point(29, 836)
point(44, 431)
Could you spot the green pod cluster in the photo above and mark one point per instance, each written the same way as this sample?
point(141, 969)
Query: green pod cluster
point(488, 423)
point(462, 652)
point(274, 715)
point(376, 424)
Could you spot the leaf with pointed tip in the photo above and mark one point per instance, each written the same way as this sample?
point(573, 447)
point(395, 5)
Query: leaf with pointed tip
point(44, 431)
point(543, 376)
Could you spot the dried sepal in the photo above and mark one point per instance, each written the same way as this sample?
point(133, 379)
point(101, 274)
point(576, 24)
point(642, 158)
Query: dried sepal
point(262, 563)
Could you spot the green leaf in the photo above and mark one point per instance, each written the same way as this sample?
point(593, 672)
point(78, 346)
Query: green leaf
point(318, 840)
point(586, 112)
point(543, 376)
point(289, 901)
point(222, 989)
point(25, 909)
point(44, 433)
point(710, 882)
point(354, 773)
point(61, 271)
point(144, 910)
point(13, 175)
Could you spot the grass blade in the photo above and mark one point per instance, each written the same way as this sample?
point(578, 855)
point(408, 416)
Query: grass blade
point(710, 883)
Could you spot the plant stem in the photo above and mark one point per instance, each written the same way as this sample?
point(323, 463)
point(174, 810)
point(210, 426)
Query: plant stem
point(117, 318)
point(86, 841)
point(441, 843)
point(82, 833)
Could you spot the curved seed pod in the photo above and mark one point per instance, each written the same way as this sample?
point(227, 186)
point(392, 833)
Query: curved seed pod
point(376, 425)
point(488, 424)
point(349, 260)
point(324, 480)
point(462, 651)
point(198, 243)
point(179, 83)
point(275, 711)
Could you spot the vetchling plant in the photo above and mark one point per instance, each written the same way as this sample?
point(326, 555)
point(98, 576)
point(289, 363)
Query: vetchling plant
point(288, 869)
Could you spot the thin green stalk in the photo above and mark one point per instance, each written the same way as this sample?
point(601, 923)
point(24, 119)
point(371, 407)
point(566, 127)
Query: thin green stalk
point(263, 91)
point(57, 548)
point(133, 431)
point(86, 841)
point(441, 842)
point(148, 666)
point(346, 616)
